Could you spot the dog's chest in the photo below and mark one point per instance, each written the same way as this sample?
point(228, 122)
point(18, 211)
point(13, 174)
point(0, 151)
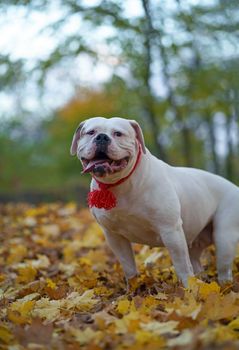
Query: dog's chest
point(136, 227)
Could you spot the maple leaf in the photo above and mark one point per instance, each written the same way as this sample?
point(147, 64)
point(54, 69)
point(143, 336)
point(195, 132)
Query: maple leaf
point(218, 334)
point(19, 312)
point(5, 334)
point(201, 289)
point(123, 306)
point(188, 306)
point(50, 283)
point(85, 336)
point(143, 337)
point(184, 339)
point(129, 323)
point(60, 287)
point(160, 328)
point(218, 307)
point(82, 302)
point(26, 274)
point(16, 254)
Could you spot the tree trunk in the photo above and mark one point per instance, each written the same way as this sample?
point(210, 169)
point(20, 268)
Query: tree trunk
point(152, 35)
point(212, 136)
point(230, 154)
point(148, 98)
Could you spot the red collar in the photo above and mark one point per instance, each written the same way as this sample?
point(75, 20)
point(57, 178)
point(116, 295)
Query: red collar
point(103, 198)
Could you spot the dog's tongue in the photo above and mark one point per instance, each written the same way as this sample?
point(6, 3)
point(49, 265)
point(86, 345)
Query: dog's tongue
point(104, 165)
point(93, 163)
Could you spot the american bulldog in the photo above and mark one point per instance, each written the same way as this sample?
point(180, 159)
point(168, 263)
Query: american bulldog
point(136, 197)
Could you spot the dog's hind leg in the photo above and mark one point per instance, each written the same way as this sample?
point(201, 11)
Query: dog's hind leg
point(225, 251)
point(226, 237)
point(195, 254)
point(203, 240)
point(174, 240)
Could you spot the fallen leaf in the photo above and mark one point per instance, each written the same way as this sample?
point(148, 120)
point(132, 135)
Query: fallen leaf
point(19, 312)
point(26, 274)
point(160, 328)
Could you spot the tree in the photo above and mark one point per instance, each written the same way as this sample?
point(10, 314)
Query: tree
point(174, 68)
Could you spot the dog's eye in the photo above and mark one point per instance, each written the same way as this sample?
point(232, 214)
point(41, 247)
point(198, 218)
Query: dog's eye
point(118, 133)
point(91, 132)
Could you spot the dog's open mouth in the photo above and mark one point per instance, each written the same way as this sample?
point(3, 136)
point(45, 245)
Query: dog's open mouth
point(101, 164)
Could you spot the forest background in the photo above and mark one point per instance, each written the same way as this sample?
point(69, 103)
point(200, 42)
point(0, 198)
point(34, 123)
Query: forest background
point(171, 65)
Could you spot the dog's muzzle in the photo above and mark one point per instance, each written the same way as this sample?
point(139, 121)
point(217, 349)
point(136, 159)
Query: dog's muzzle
point(101, 163)
point(102, 142)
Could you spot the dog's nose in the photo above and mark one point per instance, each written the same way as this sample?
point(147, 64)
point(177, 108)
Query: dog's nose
point(102, 139)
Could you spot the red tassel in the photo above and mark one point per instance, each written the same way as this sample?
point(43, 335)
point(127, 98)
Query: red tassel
point(102, 198)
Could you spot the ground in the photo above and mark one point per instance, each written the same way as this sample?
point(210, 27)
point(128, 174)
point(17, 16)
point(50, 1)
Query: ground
point(62, 288)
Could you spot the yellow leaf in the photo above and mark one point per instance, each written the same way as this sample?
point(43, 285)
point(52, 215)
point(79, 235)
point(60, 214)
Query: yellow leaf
point(16, 254)
point(130, 322)
point(184, 339)
point(149, 303)
point(161, 296)
point(19, 312)
point(69, 254)
point(103, 291)
point(218, 307)
point(26, 274)
point(30, 221)
point(123, 306)
point(188, 307)
point(50, 283)
point(121, 326)
point(86, 336)
point(41, 210)
point(42, 262)
point(103, 319)
point(144, 337)
point(29, 297)
point(82, 302)
point(69, 209)
point(208, 288)
point(5, 335)
point(48, 309)
point(51, 309)
point(234, 324)
point(93, 237)
point(50, 230)
point(201, 289)
point(2, 277)
point(218, 334)
point(161, 327)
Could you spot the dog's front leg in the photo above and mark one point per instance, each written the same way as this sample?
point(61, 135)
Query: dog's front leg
point(123, 251)
point(174, 240)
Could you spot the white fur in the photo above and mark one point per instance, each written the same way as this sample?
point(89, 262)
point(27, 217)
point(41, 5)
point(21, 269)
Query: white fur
point(184, 209)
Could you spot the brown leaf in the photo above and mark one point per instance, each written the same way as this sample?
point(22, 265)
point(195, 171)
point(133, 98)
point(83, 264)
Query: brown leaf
point(36, 333)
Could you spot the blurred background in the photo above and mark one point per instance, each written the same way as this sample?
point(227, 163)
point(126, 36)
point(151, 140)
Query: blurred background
point(173, 65)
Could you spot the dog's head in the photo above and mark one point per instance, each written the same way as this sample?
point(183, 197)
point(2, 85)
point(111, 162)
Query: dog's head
point(107, 147)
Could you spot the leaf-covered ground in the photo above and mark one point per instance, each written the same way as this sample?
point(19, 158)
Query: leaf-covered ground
point(62, 288)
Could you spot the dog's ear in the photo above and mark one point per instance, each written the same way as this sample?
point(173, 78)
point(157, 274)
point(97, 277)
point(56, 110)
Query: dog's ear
point(75, 139)
point(139, 134)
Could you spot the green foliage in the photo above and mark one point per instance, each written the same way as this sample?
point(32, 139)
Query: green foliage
point(175, 70)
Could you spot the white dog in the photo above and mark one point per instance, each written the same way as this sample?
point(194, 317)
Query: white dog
point(147, 201)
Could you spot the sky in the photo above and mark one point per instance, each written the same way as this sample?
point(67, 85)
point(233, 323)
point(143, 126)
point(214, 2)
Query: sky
point(24, 36)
